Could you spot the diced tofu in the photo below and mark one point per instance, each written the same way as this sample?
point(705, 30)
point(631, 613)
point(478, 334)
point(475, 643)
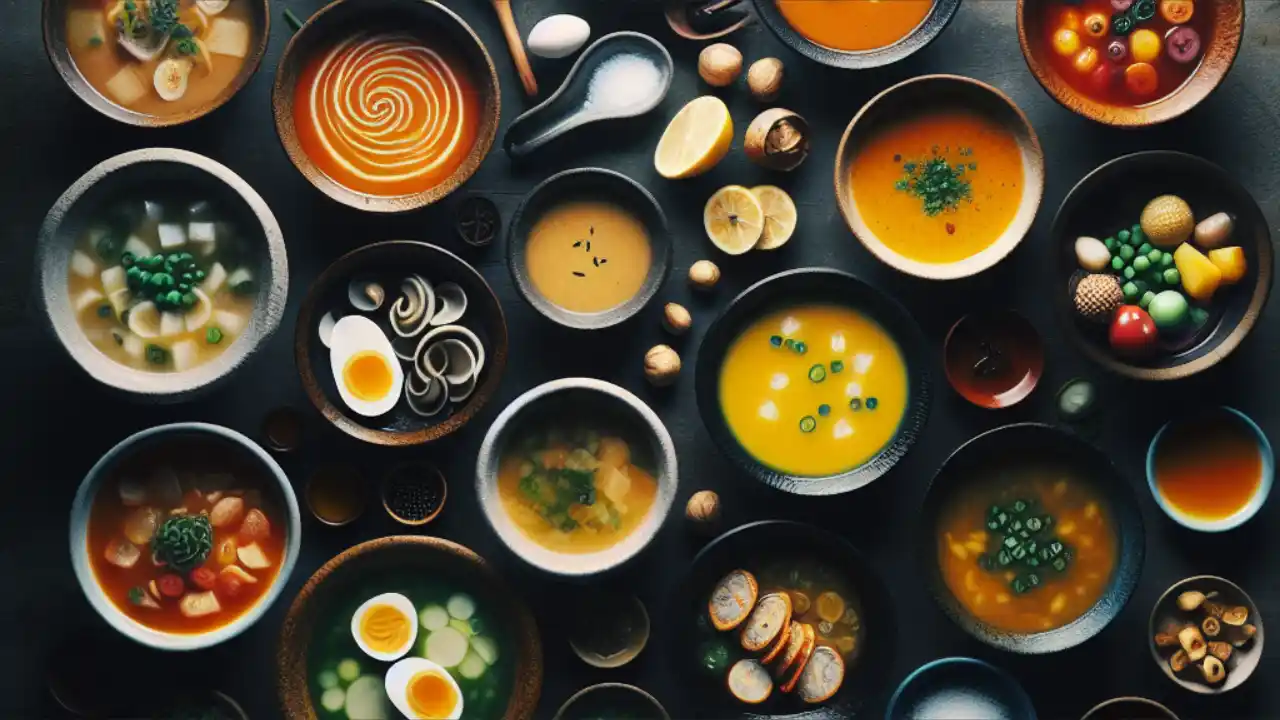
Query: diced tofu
point(125, 87)
point(239, 573)
point(200, 233)
point(86, 28)
point(214, 279)
point(228, 37)
point(120, 301)
point(171, 324)
point(122, 553)
point(229, 322)
point(113, 279)
point(252, 557)
point(194, 605)
point(87, 299)
point(611, 482)
point(134, 347)
point(138, 247)
point(613, 452)
point(172, 236)
point(82, 265)
point(185, 354)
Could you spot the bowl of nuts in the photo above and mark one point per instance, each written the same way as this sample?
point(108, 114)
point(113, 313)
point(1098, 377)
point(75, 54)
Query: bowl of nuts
point(1206, 634)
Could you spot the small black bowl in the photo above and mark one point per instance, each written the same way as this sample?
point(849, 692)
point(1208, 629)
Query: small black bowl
point(749, 547)
point(931, 27)
point(589, 184)
point(795, 287)
point(1112, 197)
point(612, 700)
point(982, 688)
point(1008, 447)
point(1129, 708)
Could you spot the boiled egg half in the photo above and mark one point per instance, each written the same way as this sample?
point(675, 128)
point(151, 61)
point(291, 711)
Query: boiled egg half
point(420, 688)
point(365, 369)
point(385, 626)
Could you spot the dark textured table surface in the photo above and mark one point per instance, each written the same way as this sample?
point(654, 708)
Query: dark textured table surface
point(58, 421)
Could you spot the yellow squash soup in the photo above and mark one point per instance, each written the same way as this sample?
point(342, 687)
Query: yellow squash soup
point(577, 492)
point(814, 390)
point(1029, 552)
point(854, 25)
point(588, 256)
point(938, 187)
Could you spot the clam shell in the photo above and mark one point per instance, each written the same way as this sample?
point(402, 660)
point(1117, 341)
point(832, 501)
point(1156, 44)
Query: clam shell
point(365, 294)
point(428, 340)
point(425, 397)
point(453, 304)
point(415, 307)
point(325, 329)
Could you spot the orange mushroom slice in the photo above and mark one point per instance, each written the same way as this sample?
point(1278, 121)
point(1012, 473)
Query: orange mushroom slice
point(802, 660)
point(749, 682)
point(733, 599)
point(770, 618)
point(823, 676)
point(784, 639)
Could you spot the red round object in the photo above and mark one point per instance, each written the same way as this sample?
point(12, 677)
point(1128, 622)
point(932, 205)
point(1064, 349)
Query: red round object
point(229, 585)
point(204, 578)
point(170, 585)
point(1133, 332)
point(1103, 77)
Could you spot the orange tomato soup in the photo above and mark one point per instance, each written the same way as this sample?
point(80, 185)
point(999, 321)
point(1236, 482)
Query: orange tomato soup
point(989, 161)
point(854, 24)
point(386, 114)
point(968, 550)
point(1209, 467)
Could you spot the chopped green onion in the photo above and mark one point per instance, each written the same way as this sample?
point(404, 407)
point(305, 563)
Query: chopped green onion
point(213, 335)
point(824, 410)
point(104, 311)
point(801, 348)
point(817, 373)
point(872, 403)
point(791, 344)
point(157, 355)
point(295, 23)
point(855, 404)
point(808, 424)
point(776, 341)
point(837, 366)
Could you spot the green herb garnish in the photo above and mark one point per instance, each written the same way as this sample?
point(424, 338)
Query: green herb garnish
point(135, 595)
point(95, 41)
point(164, 16)
point(213, 336)
point(808, 424)
point(183, 542)
point(940, 185)
point(157, 355)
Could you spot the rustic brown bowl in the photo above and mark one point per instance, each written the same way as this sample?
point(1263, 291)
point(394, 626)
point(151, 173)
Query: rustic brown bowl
point(406, 553)
point(400, 427)
point(937, 91)
point(679, 22)
point(55, 45)
point(423, 474)
point(340, 19)
point(1219, 53)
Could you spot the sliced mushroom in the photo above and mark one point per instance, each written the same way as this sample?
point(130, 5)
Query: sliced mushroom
point(1211, 626)
point(460, 392)
point(1213, 670)
point(439, 332)
point(1190, 600)
point(1236, 616)
point(1179, 661)
point(453, 304)
point(1193, 642)
point(365, 294)
point(1220, 650)
point(1164, 639)
point(1214, 609)
point(749, 682)
point(771, 616)
point(732, 600)
point(415, 307)
point(1247, 633)
point(461, 361)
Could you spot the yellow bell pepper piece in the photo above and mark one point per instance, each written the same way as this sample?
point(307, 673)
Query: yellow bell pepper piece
point(1232, 263)
point(1200, 277)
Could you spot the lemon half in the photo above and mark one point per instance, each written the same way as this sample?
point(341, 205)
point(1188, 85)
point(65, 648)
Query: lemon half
point(780, 216)
point(734, 219)
point(695, 140)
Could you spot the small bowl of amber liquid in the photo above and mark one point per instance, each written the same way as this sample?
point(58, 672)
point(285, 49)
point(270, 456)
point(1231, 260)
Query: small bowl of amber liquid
point(609, 629)
point(413, 494)
point(335, 495)
point(993, 359)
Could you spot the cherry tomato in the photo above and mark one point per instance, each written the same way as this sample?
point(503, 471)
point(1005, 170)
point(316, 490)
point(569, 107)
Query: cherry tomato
point(1086, 60)
point(225, 552)
point(1145, 45)
point(1102, 78)
point(170, 585)
point(1133, 332)
point(255, 527)
point(1141, 78)
point(229, 585)
point(204, 578)
point(1066, 42)
point(1177, 11)
point(1096, 25)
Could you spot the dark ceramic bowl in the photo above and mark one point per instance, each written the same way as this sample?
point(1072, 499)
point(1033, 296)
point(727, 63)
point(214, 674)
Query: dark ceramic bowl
point(55, 44)
point(676, 12)
point(1129, 708)
point(340, 20)
point(1022, 445)
point(608, 700)
point(389, 262)
point(375, 564)
point(570, 402)
point(993, 358)
point(795, 287)
point(1243, 660)
point(1112, 197)
point(589, 184)
point(749, 547)
point(137, 175)
point(943, 687)
point(1218, 55)
point(932, 26)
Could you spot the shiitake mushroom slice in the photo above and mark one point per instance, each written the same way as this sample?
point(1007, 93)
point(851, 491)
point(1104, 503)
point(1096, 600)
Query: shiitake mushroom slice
point(770, 618)
point(1166, 639)
point(1213, 670)
point(1211, 626)
point(1179, 661)
point(732, 600)
point(1192, 642)
point(784, 639)
point(1220, 650)
point(1235, 616)
point(823, 676)
point(806, 653)
point(794, 643)
point(749, 682)
point(1190, 600)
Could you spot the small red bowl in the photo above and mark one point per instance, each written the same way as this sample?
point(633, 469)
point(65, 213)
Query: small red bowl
point(994, 358)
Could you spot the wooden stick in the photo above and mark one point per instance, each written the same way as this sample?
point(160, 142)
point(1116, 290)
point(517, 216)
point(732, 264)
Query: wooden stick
point(516, 45)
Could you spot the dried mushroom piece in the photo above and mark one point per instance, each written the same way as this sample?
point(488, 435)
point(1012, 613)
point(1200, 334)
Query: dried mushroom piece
point(1179, 661)
point(1213, 670)
point(1211, 626)
point(1220, 650)
point(1166, 639)
point(1236, 616)
point(1190, 600)
point(1192, 642)
point(1214, 609)
point(1247, 633)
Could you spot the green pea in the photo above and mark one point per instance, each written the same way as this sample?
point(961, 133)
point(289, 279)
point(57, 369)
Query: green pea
point(1141, 263)
point(184, 287)
point(144, 277)
point(1172, 276)
point(1130, 292)
point(173, 258)
point(1155, 256)
point(1126, 252)
point(1117, 263)
point(173, 297)
point(1124, 236)
point(188, 300)
point(155, 262)
point(199, 275)
point(157, 280)
point(127, 260)
point(186, 256)
point(1147, 297)
point(1142, 285)
point(213, 336)
point(1129, 272)
point(187, 277)
point(1110, 243)
point(1166, 260)
point(1136, 229)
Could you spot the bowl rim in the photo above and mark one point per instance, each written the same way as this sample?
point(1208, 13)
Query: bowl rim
point(1125, 574)
point(304, 330)
point(1034, 175)
point(912, 345)
point(268, 309)
point(1196, 88)
point(1164, 666)
point(935, 21)
point(671, 9)
point(1130, 699)
point(1257, 302)
point(1024, 389)
point(282, 110)
point(60, 57)
point(93, 593)
point(659, 241)
point(526, 687)
point(435, 473)
point(576, 565)
point(1020, 693)
point(633, 650)
point(1240, 516)
point(610, 686)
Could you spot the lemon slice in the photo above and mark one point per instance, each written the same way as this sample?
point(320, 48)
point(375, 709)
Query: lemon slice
point(780, 216)
point(695, 140)
point(734, 219)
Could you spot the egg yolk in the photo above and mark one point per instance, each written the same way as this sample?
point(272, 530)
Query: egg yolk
point(367, 375)
point(384, 628)
point(430, 695)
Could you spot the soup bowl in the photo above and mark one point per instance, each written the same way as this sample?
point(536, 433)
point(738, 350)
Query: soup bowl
point(243, 449)
point(982, 689)
point(1217, 55)
point(824, 287)
point(56, 46)
point(1245, 655)
point(598, 185)
point(1034, 449)
point(941, 93)
point(570, 401)
point(339, 21)
point(317, 628)
point(611, 700)
point(389, 263)
point(136, 174)
point(937, 19)
point(1129, 708)
point(771, 545)
point(1113, 196)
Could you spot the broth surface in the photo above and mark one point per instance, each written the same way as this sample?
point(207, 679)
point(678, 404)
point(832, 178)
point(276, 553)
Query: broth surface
point(588, 256)
point(1209, 467)
point(766, 390)
point(822, 597)
point(854, 24)
point(992, 167)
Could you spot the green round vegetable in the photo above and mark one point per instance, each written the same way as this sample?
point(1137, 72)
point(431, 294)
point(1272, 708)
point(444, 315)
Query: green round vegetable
point(1141, 263)
point(1145, 301)
point(1129, 272)
point(1166, 260)
point(1168, 309)
point(199, 274)
point(1110, 244)
point(1117, 263)
point(808, 424)
point(173, 297)
point(1124, 236)
point(1130, 292)
point(1127, 252)
point(1155, 256)
point(1144, 248)
point(1172, 276)
point(817, 373)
